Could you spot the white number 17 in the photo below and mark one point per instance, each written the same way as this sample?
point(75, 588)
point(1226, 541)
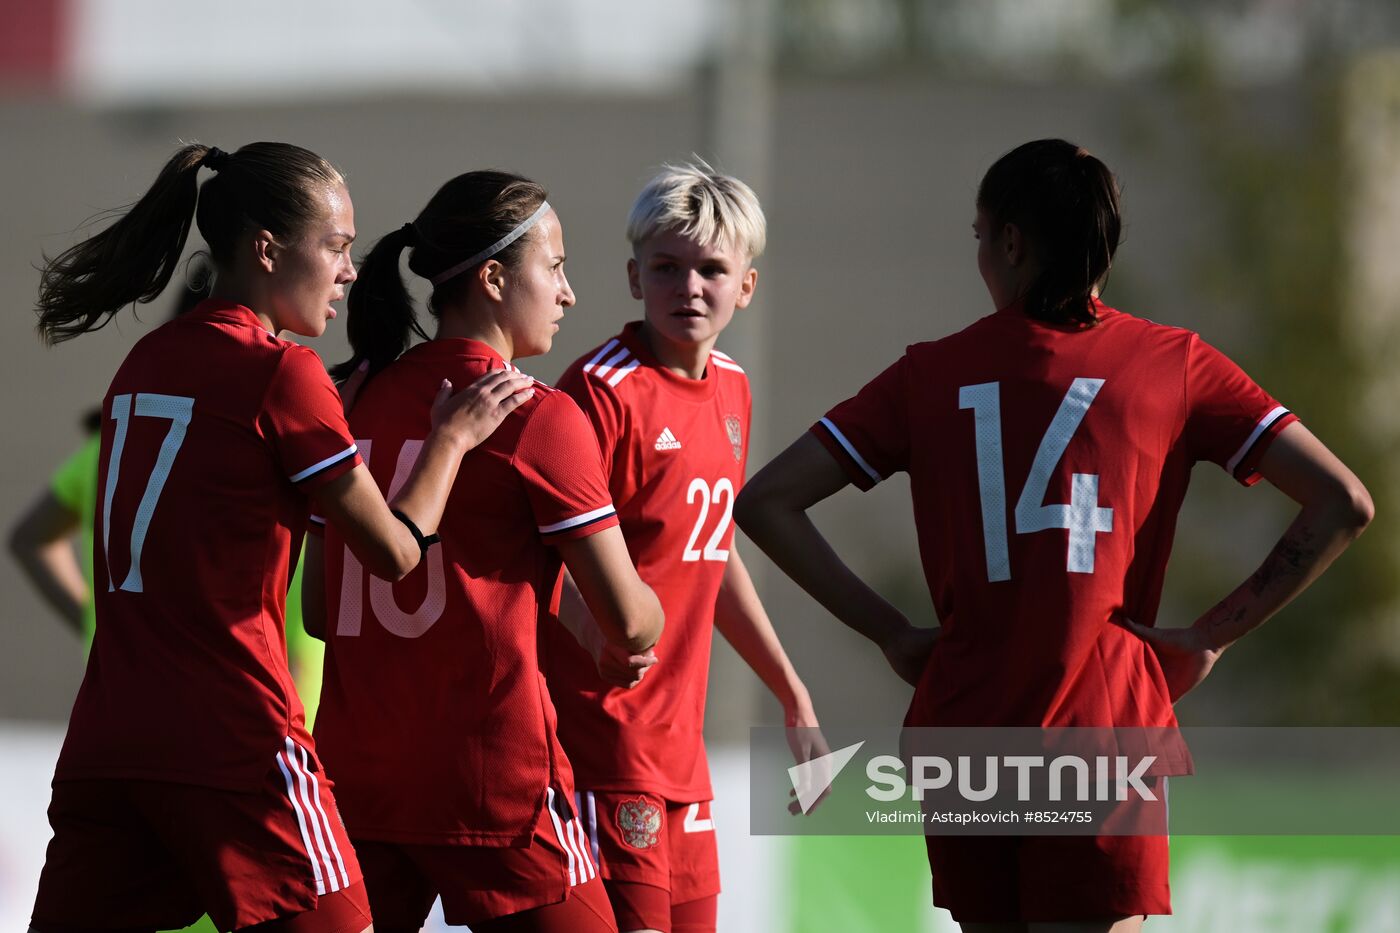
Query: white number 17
point(178, 409)
point(1083, 516)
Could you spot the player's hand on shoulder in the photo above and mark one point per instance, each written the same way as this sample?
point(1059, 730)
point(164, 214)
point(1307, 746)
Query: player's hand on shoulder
point(1184, 653)
point(908, 649)
point(621, 668)
point(469, 416)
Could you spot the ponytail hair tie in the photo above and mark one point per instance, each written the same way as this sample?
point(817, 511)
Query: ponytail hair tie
point(410, 233)
point(215, 159)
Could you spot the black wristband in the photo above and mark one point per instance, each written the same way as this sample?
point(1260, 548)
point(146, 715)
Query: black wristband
point(424, 541)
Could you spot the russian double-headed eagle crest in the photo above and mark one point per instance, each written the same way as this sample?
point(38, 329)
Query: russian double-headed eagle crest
point(735, 429)
point(639, 821)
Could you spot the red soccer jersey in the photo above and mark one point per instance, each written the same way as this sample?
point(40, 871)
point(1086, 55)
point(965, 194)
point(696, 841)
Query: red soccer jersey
point(675, 450)
point(435, 720)
point(214, 433)
point(1047, 465)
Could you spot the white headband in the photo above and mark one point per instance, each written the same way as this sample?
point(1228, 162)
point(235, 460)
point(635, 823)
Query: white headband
point(494, 248)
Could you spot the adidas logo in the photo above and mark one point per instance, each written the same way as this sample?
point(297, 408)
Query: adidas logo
point(667, 441)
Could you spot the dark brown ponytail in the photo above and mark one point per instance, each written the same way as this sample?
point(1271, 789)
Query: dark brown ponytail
point(380, 319)
point(272, 186)
point(1066, 203)
point(465, 216)
point(130, 261)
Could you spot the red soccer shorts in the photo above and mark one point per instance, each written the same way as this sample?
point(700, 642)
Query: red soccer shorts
point(481, 883)
point(999, 879)
point(157, 855)
point(654, 855)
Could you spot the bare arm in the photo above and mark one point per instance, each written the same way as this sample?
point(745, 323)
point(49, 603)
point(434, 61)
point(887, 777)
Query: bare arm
point(617, 664)
point(625, 610)
point(742, 620)
point(41, 541)
point(1336, 508)
point(772, 510)
point(355, 506)
point(574, 616)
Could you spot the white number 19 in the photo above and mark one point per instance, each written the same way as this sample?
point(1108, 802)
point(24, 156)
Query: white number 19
point(1083, 516)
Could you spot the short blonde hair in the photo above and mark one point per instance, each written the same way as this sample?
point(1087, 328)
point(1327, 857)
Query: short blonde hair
point(697, 202)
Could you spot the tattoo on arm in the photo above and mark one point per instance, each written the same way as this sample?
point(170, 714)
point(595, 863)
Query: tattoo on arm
point(1291, 557)
point(1227, 620)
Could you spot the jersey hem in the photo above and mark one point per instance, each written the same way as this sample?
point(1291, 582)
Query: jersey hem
point(515, 840)
point(583, 529)
point(1246, 471)
point(348, 461)
point(671, 793)
point(75, 775)
point(858, 477)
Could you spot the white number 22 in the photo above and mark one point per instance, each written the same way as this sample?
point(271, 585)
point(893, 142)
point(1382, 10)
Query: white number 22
point(178, 409)
point(1083, 516)
point(701, 490)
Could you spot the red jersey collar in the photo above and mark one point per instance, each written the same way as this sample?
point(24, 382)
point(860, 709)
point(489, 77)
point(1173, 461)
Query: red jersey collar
point(222, 309)
point(458, 348)
point(1017, 310)
point(702, 388)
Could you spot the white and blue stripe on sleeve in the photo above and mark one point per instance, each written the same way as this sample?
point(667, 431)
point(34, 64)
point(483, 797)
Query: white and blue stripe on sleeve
point(851, 449)
point(1264, 424)
point(325, 464)
point(579, 521)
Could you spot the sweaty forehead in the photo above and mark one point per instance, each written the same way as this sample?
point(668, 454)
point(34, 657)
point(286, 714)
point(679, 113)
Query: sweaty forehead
point(337, 216)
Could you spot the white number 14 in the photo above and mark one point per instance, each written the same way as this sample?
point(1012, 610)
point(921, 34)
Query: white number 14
point(1083, 516)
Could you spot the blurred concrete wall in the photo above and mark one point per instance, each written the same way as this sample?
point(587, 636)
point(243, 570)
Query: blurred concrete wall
point(870, 207)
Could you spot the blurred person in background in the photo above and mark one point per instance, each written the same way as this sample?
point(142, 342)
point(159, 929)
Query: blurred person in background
point(1081, 424)
point(435, 717)
point(52, 540)
point(42, 539)
point(187, 782)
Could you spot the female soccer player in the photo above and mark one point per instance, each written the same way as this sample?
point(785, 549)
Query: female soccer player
point(187, 782)
point(671, 414)
point(1048, 448)
point(434, 715)
point(52, 540)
